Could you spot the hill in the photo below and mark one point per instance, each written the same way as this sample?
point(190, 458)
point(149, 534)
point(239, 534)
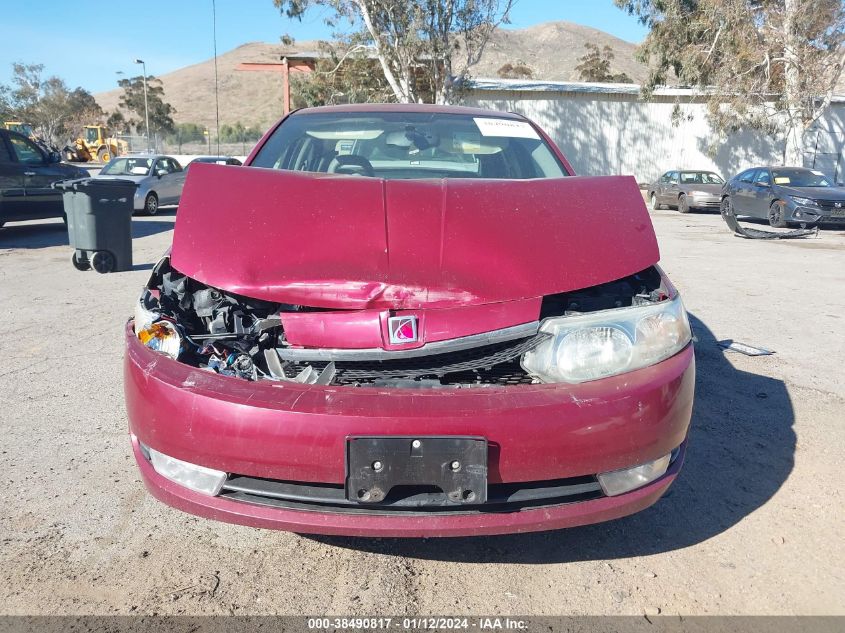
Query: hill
point(551, 49)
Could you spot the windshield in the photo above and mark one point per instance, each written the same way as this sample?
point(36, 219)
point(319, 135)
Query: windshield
point(701, 178)
point(128, 167)
point(410, 145)
point(800, 178)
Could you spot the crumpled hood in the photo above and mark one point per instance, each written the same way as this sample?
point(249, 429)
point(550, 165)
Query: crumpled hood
point(353, 243)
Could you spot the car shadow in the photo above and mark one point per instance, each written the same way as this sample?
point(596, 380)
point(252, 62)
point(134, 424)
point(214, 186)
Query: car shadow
point(145, 228)
point(741, 451)
point(40, 235)
point(47, 234)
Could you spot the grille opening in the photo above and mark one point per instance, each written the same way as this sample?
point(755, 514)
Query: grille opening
point(496, 364)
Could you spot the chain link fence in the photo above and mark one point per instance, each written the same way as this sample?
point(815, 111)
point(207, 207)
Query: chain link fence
point(137, 144)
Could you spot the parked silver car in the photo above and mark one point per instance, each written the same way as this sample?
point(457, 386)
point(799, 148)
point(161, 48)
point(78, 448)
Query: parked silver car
point(686, 190)
point(160, 179)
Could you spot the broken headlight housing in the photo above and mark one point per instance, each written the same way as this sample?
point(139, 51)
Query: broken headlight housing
point(157, 334)
point(163, 337)
point(586, 347)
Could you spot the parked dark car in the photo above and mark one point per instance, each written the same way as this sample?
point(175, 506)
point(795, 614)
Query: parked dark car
point(216, 160)
point(27, 173)
point(784, 196)
point(686, 190)
point(406, 324)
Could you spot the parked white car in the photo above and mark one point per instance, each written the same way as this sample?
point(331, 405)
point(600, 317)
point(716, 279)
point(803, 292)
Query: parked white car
point(160, 179)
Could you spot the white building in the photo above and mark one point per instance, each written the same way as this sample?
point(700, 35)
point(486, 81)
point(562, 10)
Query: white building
point(607, 129)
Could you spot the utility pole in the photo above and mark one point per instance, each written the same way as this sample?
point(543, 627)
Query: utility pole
point(146, 107)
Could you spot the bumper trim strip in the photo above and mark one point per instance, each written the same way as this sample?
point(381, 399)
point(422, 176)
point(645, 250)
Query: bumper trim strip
point(331, 498)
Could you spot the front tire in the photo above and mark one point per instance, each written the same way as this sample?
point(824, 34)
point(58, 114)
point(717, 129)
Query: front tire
point(103, 155)
point(777, 215)
point(683, 204)
point(653, 200)
point(151, 204)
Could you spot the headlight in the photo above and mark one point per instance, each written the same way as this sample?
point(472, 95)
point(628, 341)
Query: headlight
point(600, 344)
point(807, 202)
point(163, 337)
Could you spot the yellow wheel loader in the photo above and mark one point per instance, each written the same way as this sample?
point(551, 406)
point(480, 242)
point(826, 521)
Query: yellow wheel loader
point(95, 145)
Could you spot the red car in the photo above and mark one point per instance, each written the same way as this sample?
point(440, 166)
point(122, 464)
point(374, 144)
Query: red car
point(407, 320)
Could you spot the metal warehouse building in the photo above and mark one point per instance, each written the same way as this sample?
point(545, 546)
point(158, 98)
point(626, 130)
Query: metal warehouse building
point(608, 129)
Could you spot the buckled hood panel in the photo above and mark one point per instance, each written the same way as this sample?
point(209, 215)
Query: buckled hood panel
point(350, 242)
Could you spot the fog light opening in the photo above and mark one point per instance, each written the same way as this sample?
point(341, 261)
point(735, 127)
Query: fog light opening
point(617, 482)
point(200, 479)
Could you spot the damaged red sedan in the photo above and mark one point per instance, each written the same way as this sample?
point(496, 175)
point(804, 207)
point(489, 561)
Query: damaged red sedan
point(403, 320)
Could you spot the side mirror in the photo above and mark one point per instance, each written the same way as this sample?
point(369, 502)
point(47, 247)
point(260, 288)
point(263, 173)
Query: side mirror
point(54, 157)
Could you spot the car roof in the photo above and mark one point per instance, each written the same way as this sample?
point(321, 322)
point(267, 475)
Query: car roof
point(409, 107)
point(145, 156)
point(777, 167)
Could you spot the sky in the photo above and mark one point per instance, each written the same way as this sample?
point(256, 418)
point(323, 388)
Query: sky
point(87, 42)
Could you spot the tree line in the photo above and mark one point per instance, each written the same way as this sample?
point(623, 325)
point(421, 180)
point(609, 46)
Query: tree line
point(769, 65)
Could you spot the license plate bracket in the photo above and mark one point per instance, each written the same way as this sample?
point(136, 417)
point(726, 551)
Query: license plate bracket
point(457, 466)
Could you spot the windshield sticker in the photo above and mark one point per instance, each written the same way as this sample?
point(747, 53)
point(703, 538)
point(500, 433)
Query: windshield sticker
point(505, 127)
point(782, 180)
point(817, 173)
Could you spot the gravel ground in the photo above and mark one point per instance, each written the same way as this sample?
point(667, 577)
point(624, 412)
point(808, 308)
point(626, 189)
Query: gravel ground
point(751, 526)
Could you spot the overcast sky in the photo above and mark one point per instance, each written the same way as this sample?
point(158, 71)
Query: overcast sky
point(87, 41)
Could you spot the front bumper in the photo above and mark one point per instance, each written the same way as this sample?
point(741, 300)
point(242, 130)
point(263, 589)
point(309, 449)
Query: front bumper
point(815, 215)
point(297, 433)
point(713, 202)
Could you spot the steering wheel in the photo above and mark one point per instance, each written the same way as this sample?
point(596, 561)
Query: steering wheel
point(351, 164)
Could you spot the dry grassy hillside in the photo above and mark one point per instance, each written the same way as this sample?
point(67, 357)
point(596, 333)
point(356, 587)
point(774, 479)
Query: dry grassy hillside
point(552, 51)
point(255, 98)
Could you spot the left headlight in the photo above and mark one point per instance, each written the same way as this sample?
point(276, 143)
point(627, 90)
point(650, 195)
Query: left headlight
point(161, 336)
point(805, 202)
point(600, 344)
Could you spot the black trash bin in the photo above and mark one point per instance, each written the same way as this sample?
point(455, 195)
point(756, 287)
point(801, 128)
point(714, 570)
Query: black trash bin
point(99, 222)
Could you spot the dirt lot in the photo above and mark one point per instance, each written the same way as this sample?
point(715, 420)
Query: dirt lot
point(754, 525)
